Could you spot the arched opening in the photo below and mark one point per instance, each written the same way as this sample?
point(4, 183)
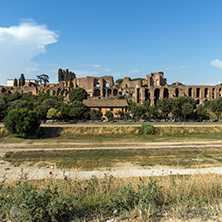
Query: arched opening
point(97, 92)
point(109, 92)
point(107, 85)
point(104, 92)
point(190, 92)
point(138, 95)
point(198, 93)
point(213, 93)
point(165, 93)
point(115, 92)
point(177, 92)
point(156, 95)
point(197, 101)
point(147, 94)
point(206, 93)
point(220, 92)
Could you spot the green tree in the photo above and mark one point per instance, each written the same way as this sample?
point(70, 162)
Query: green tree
point(15, 82)
point(3, 108)
point(53, 113)
point(77, 94)
point(43, 78)
point(119, 113)
point(187, 109)
point(216, 107)
point(138, 110)
point(109, 114)
point(22, 80)
point(165, 106)
point(201, 111)
point(153, 111)
point(60, 75)
point(96, 113)
point(22, 122)
point(178, 102)
point(118, 82)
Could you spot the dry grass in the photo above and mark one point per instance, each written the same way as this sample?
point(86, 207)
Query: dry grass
point(96, 159)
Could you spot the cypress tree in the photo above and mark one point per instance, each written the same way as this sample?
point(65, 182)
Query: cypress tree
point(60, 75)
point(22, 80)
point(15, 82)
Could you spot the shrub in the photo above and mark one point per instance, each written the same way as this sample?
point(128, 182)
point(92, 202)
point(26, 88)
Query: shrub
point(23, 122)
point(148, 128)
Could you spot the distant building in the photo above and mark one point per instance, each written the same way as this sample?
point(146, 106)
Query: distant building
point(10, 82)
point(104, 105)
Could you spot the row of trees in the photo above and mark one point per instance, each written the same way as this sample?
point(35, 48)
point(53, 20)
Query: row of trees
point(20, 82)
point(44, 78)
point(65, 75)
point(22, 112)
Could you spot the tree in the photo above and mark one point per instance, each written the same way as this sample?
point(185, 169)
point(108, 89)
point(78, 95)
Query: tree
point(43, 78)
point(165, 106)
point(65, 75)
point(96, 113)
point(178, 102)
point(22, 80)
point(77, 94)
point(118, 82)
point(15, 82)
point(60, 75)
point(119, 113)
point(187, 109)
point(53, 113)
point(138, 110)
point(109, 114)
point(3, 109)
point(153, 110)
point(201, 111)
point(216, 107)
point(22, 122)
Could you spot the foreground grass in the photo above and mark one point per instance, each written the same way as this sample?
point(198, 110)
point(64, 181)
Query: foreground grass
point(95, 159)
point(143, 199)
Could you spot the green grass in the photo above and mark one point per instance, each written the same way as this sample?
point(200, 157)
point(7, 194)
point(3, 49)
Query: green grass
point(93, 159)
point(115, 139)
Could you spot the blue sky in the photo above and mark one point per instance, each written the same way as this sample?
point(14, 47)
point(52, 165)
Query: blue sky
point(182, 38)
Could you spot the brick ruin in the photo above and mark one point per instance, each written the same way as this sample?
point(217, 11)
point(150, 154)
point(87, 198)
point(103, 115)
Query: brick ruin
point(152, 88)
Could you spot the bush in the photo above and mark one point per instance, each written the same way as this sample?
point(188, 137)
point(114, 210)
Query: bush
point(23, 122)
point(148, 128)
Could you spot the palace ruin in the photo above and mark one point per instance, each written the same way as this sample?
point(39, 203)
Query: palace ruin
point(152, 88)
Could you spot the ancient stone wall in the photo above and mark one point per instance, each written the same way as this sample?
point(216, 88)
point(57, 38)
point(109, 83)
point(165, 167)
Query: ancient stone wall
point(152, 88)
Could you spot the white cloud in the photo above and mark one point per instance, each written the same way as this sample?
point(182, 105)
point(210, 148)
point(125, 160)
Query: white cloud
point(175, 68)
point(96, 66)
point(84, 73)
point(216, 63)
point(19, 44)
point(134, 71)
point(107, 69)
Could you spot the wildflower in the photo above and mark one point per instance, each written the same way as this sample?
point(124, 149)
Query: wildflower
point(26, 178)
point(65, 178)
point(51, 167)
point(120, 179)
point(76, 178)
point(50, 172)
point(85, 188)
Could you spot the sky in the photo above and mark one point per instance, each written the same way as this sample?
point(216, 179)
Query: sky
point(112, 37)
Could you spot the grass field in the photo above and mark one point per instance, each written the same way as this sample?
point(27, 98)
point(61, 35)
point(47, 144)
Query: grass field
point(94, 159)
